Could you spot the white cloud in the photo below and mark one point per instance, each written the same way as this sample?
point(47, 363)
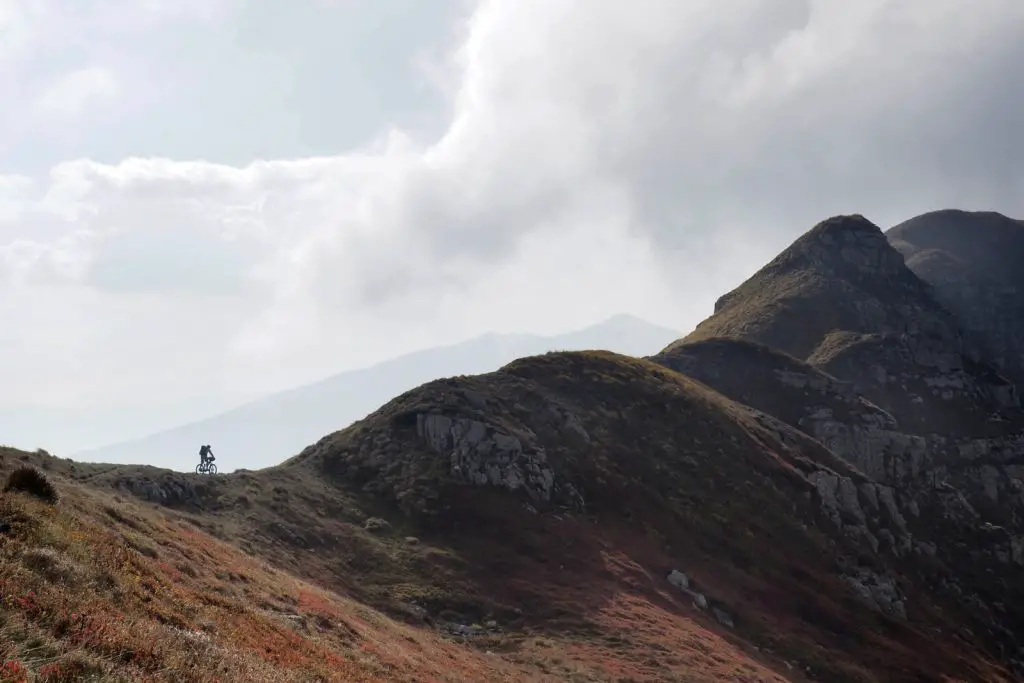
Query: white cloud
point(602, 156)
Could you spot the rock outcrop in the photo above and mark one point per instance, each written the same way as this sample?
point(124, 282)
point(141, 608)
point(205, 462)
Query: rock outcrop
point(483, 455)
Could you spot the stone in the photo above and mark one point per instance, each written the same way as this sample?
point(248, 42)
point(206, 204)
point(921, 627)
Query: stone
point(377, 525)
point(678, 579)
point(483, 455)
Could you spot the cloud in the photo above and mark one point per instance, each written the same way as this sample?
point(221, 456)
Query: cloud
point(600, 156)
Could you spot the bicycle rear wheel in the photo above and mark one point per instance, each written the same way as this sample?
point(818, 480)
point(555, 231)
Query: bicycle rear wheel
point(199, 469)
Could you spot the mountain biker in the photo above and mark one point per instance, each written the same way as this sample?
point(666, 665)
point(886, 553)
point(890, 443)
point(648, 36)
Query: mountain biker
point(206, 455)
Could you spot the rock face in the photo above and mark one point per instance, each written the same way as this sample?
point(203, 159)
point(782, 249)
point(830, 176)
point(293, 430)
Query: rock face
point(482, 455)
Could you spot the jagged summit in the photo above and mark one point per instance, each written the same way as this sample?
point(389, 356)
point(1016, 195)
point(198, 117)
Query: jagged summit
point(847, 246)
point(841, 275)
point(842, 298)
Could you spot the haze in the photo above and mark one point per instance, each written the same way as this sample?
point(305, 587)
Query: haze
point(202, 203)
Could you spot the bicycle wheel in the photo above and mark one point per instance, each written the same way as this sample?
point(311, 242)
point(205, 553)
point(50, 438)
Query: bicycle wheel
point(199, 469)
point(213, 469)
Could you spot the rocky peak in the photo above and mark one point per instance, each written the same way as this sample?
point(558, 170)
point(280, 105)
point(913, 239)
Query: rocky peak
point(845, 244)
point(842, 298)
point(842, 275)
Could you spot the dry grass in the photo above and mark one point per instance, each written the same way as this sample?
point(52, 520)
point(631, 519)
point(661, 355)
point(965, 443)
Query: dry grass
point(87, 597)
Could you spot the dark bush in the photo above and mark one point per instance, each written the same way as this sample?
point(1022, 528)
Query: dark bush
point(33, 482)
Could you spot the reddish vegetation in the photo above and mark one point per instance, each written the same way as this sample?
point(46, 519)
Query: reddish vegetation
point(86, 595)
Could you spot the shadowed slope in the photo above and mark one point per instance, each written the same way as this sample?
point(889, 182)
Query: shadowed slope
point(974, 260)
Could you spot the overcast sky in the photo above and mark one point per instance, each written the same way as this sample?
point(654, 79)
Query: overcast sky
point(202, 201)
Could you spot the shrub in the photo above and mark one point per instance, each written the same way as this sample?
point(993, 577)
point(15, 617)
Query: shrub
point(33, 482)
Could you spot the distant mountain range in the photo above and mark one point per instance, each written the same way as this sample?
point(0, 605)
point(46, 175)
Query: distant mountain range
point(272, 429)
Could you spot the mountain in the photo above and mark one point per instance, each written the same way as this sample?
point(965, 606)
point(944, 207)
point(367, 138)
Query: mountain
point(823, 482)
point(266, 431)
point(843, 299)
point(972, 260)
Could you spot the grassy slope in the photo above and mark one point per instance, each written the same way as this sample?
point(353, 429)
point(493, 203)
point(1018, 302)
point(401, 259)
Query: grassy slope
point(118, 590)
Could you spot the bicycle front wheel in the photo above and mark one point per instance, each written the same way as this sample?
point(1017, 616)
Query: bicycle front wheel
point(213, 469)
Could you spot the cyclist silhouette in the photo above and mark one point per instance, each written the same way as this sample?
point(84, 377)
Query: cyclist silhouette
point(206, 457)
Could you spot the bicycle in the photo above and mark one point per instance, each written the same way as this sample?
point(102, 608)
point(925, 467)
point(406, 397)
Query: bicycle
point(206, 468)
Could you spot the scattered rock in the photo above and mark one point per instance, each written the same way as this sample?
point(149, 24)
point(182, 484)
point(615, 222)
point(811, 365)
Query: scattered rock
point(678, 579)
point(377, 525)
point(463, 630)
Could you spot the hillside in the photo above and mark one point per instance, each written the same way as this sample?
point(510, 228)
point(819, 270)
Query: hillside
point(267, 431)
point(821, 483)
point(573, 527)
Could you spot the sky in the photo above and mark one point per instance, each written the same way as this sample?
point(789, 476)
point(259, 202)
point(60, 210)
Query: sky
point(203, 201)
